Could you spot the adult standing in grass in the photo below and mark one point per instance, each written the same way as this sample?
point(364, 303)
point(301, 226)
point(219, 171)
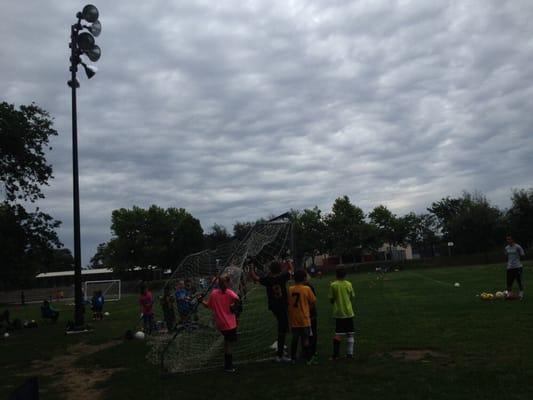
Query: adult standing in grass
point(514, 251)
point(221, 302)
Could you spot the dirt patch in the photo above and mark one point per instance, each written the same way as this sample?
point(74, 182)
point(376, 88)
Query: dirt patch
point(72, 381)
point(416, 354)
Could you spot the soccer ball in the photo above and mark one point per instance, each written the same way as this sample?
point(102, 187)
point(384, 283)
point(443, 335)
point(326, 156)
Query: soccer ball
point(457, 284)
point(139, 335)
point(106, 314)
point(6, 335)
point(499, 295)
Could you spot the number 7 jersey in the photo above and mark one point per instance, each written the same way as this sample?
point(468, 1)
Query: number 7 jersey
point(301, 299)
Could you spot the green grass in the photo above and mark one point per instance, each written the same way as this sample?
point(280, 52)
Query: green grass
point(488, 347)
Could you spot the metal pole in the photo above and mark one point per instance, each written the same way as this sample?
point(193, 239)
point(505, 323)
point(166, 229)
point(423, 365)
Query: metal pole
point(78, 300)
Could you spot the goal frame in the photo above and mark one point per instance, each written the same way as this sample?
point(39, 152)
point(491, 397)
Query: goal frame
point(85, 285)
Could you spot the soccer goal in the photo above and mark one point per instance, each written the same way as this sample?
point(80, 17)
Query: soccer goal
point(111, 289)
point(198, 345)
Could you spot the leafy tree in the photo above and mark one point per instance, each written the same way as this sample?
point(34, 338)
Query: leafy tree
point(423, 233)
point(149, 237)
point(520, 216)
point(216, 236)
point(470, 221)
point(346, 229)
point(391, 229)
point(309, 232)
point(241, 229)
point(24, 138)
point(28, 242)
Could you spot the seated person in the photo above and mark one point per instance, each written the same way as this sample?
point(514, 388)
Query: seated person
point(48, 312)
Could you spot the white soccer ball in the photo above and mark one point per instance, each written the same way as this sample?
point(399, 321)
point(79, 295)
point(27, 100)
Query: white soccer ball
point(139, 335)
point(6, 335)
point(457, 284)
point(106, 314)
point(499, 295)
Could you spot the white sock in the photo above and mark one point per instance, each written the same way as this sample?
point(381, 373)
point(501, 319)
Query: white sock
point(350, 341)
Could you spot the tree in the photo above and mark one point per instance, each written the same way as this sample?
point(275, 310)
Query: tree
point(423, 233)
point(24, 138)
point(391, 229)
point(346, 229)
point(28, 243)
point(520, 216)
point(149, 237)
point(470, 222)
point(309, 232)
point(241, 229)
point(216, 236)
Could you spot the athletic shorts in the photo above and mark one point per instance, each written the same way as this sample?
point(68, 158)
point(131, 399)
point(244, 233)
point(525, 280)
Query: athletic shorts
point(306, 331)
point(282, 317)
point(344, 326)
point(514, 274)
point(230, 335)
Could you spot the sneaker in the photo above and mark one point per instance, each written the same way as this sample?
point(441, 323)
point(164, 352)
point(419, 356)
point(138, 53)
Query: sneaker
point(283, 359)
point(230, 370)
point(333, 358)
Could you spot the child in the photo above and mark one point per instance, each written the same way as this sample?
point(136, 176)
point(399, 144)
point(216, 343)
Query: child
point(340, 295)
point(167, 304)
point(183, 301)
point(301, 300)
point(276, 288)
point(98, 305)
point(313, 339)
point(146, 302)
point(221, 302)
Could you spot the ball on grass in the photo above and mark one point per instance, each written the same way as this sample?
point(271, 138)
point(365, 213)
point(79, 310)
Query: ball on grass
point(499, 295)
point(139, 335)
point(456, 284)
point(106, 314)
point(6, 335)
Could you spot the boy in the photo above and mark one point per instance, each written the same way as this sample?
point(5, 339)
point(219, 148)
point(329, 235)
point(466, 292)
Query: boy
point(167, 304)
point(183, 301)
point(301, 300)
point(314, 326)
point(276, 287)
point(514, 251)
point(340, 295)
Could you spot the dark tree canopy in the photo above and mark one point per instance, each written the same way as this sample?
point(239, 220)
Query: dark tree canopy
point(28, 242)
point(520, 216)
point(216, 236)
point(24, 139)
point(149, 237)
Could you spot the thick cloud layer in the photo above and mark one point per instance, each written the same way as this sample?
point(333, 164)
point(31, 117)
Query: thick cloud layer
point(237, 110)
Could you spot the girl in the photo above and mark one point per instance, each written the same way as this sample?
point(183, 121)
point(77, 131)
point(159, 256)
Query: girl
point(221, 302)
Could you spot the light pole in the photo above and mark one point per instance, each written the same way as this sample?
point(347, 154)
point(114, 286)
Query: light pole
point(81, 43)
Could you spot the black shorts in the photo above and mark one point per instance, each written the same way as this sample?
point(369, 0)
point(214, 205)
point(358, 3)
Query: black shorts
point(514, 274)
point(344, 326)
point(282, 317)
point(230, 335)
point(306, 331)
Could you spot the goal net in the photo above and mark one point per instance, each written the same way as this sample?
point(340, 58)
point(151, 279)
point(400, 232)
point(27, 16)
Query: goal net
point(198, 345)
point(111, 289)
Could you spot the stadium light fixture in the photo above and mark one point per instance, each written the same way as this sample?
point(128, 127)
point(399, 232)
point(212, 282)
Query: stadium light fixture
point(81, 44)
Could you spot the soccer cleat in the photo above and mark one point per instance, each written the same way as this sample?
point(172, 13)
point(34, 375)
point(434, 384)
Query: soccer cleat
point(230, 370)
point(283, 359)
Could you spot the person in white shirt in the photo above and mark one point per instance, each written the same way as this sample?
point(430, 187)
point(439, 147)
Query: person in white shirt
point(514, 251)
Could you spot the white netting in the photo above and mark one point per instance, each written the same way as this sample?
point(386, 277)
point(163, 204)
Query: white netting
point(111, 289)
point(198, 345)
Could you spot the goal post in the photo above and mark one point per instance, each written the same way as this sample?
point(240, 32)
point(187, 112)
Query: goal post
point(111, 289)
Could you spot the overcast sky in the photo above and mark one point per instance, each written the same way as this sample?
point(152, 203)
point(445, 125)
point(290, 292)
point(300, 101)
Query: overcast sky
point(237, 110)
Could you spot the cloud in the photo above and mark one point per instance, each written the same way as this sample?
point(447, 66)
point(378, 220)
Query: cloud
point(238, 110)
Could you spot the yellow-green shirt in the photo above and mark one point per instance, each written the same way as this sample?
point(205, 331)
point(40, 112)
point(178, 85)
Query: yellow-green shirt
point(341, 292)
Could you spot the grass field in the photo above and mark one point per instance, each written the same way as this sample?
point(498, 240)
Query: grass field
point(483, 350)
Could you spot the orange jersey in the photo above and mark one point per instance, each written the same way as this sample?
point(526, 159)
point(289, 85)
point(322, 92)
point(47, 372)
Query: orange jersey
point(301, 299)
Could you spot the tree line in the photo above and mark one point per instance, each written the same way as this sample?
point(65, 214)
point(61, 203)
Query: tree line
point(162, 237)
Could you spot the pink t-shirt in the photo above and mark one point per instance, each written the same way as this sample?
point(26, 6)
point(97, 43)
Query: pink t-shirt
point(147, 302)
point(220, 303)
